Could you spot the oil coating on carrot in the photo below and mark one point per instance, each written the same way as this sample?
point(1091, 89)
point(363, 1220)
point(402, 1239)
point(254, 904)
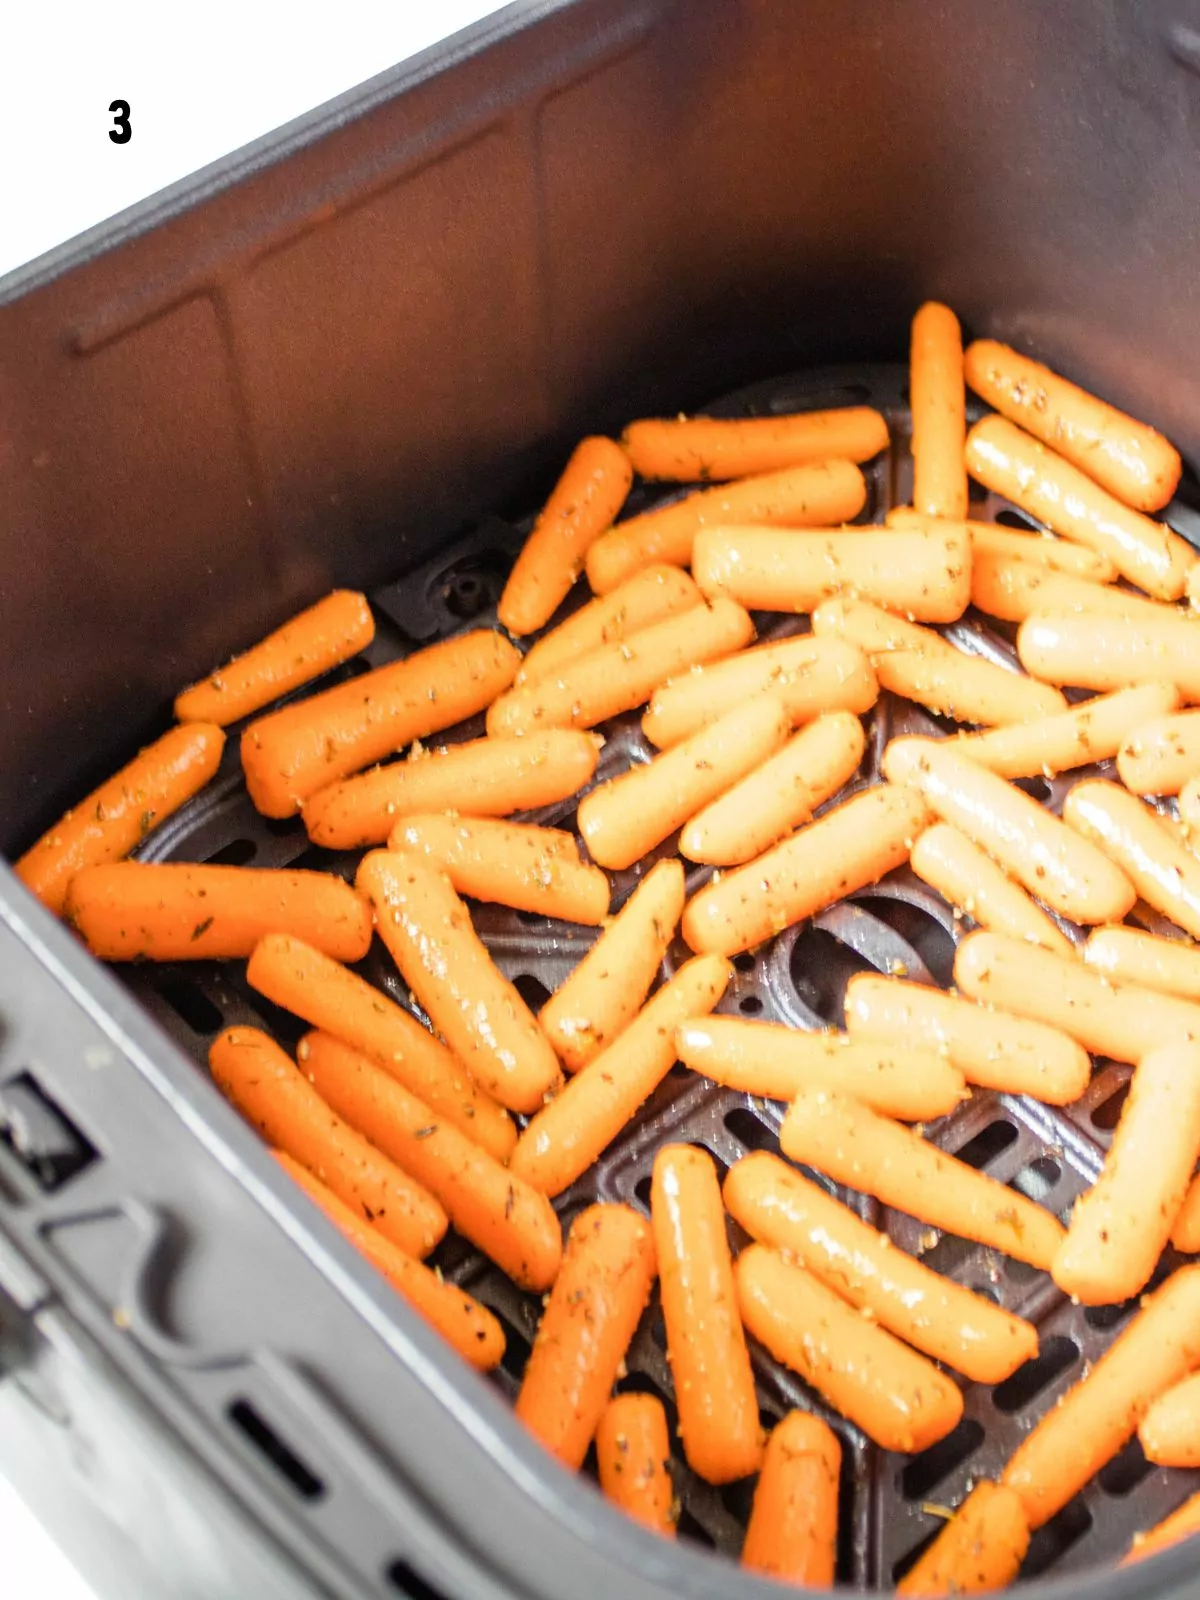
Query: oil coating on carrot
point(1093, 731)
point(945, 859)
point(649, 596)
point(939, 416)
point(1170, 1430)
point(1165, 874)
point(1162, 754)
point(1040, 549)
point(981, 1548)
point(792, 1534)
point(1108, 653)
point(1012, 590)
point(715, 449)
point(633, 1460)
point(1127, 955)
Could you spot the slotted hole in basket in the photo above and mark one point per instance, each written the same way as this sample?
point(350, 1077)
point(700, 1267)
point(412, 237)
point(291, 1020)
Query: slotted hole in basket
point(1104, 1318)
point(402, 1575)
point(987, 1144)
point(517, 1350)
point(748, 1130)
point(1054, 1356)
point(255, 1428)
point(1016, 519)
point(1107, 1114)
point(745, 962)
point(1052, 1541)
point(1126, 1470)
point(234, 854)
point(750, 1005)
point(918, 928)
point(642, 1190)
point(924, 1472)
point(190, 1004)
point(532, 990)
point(820, 968)
point(1037, 788)
point(1037, 1179)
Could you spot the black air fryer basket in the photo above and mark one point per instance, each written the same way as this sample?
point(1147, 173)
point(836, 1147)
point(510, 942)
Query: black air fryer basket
point(356, 354)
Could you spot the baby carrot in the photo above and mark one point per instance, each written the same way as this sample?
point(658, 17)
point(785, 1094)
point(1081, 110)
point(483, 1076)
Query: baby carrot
point(180, 911)
point(1179, 1525)
point(290, 754)
point(331, 997)
point(849, 847)
point(460, 1319)
point(939, 412)
point(585, 502)
point(1091, 652)
point(854, 1145)
point(1121, 1225)
point(649, 596)
point(897, 1397)
point(510, 1222)
point(714, 1382)
point(1170, 1430)
point(981, 1547)
point(121, 812)
point(592, 1313)
point(971, 881)
point(1049, 488)
point(995, 1051)
point(633, 1456)
point(1162, 754)
point(1165, 874)
point(1118, 1020)
point(1012, 589)
point(923, 573)
point(809, 675)
point(792, 1533)
point(604, 993)
point(1031, 844)
point(1093, 731)
point(274, 1096)
point(1100, 1414)
point(919, 664)
point(780, 1207)
point(1185, 1235)
point(569, 1133)
point(509, 864)
point(775, 1061)
point(715, 449)
point(624, 819)
point(481, 778)
point(474, 1007)
point(328, 633)
point(1130, 459)
point(1040, 549)
point(619, 676)
point(780, 796)
point(812, 495)
point(1127, 955)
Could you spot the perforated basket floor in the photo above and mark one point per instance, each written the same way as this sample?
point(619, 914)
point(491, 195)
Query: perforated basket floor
point(889, 1504)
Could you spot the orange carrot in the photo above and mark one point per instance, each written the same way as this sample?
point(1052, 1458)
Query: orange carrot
point(1164, 873)
point(1093, 731)
point(633, 1454)
point(118, 815)
point(178, 911)
point(325, 635)
point(1127, 955)
point(650, 596)
point(584, 503)
point(273, 1095)
point(1185, 1235)
point(939, 412)
point(1012, 589)
point(289, 754)
point(967, 876)
point(1170, 1430)
point(1091, 652)
point(714, 1382)
point(713, 449)
point(981, 1547)
point(1181, 1524)
point(474, 1007)
point(792, 1532)
point(1189, 804)
point(1041, 549)
point(592, 1313)
point(1162, 754)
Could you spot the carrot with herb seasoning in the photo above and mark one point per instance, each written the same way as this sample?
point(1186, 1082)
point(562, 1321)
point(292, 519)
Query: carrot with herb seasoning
point(1093, 731)
point(716, 449)
point(981, 1548)
point(633, 1457)
point(1170, 1430)
point(939, 414)
point(792, 1533)
point(651, 595)
point(1127, 955)
point(1162, 755)
point(1165, 874)
point(1107, 653)
point(975, 886)
point(1040, 549)
point(1012, 589)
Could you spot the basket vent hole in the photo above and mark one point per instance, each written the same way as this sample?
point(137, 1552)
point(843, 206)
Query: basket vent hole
point(1051, 1542)
point(1104, 1318)
point(234, 854)
point(50, 1147)
point(189, 1004)
point(987, 1144)
point(1126, 1470)
point(642, 1190)
point(254, 1427)
point(820, 968)
point(532, 990)
point(924, 1472)
point(745, 962)
point(467, 594)
point(1016, 519)
point(402, 1575)
point(689, 1528)
point(517, 1350)
point(1037, 1180)
point(1108, 1113)
point(750, 1005)
point(1028, 1381)
point(748, 1130)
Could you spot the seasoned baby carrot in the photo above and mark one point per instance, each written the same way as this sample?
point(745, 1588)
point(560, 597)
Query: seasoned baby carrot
point(330, 997)
point(121, 812)
point(619, 676)
point(509, 864)
point(775, 1061)
point(923, 573)
point(1040, 549)
point(1118, 1020)
point(849, 847)
point(1130, 459)
point(809, 675)
point(633, 1457)
point(649, 596)
point(624, 819)
point(939, 412)
point(1012, 589)
point(779, 1207)
point(1171, 1530)
point(1100, 1414)
point(995, 1051)
point(1090, 652)
point(1162, 754)
point(967, 876)
point(181, 911)
point(981, 1547)
point(325, 635)
point(714, 1382)
point(1170, 1430)
point(715, 449)
point(564, 1138)
point(919, 664)
point(290, 754)
point(812, 495)
point(897, 1397)
point(856, 1146)
point(1164, 873)
point(1121, 1225)
point(585, 502)
point(1127, 955)
point(1093, 731)
point(481, 778)
point(1016, 465)
point(272, 1093)
point(460, 1319)
point(510, 1222)
point(792, 1533)
point(474, 1007)
point(592, 1313)
point(780, 796)
point(606, 990)
point(1031, 844)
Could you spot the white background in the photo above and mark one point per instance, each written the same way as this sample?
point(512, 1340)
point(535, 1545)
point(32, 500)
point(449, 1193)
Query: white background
point(200, 81)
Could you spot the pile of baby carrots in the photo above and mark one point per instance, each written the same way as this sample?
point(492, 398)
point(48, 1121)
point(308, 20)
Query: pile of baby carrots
point(400, 1132)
